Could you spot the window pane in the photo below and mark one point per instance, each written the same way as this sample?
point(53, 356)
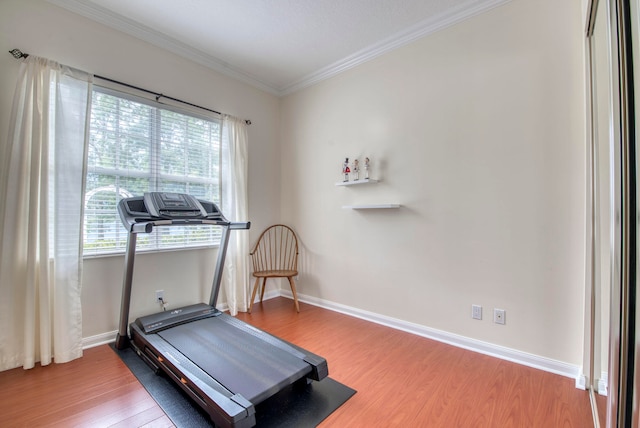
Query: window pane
point(102, 228)
point(134, 136)
point(187, 236)
point(135, 186)
point(200, 190)
point(172, 186)
point(173, 144)
point(137, 147)
point(103, 131)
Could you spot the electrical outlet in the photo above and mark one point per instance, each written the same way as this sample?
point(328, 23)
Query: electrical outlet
point(499, 316)
point(159, 295)
point(476, 312)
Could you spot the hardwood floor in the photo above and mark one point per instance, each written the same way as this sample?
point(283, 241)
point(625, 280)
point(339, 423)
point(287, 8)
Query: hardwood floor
point(405, 380)
point(402, 381)
point(97, 390)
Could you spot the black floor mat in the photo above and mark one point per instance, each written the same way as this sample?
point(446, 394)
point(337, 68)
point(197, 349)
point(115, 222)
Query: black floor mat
point(304, 406)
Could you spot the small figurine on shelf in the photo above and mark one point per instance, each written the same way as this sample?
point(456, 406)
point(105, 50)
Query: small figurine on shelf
point(366, 168)
point(345, 169)
point(356, 169)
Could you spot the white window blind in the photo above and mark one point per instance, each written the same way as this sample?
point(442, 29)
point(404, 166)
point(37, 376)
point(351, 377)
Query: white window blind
point(138, 146)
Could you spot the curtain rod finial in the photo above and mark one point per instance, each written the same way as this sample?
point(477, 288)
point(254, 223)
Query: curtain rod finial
point(17, 53)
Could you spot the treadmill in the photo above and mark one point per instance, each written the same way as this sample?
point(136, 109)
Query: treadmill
point(225, 365)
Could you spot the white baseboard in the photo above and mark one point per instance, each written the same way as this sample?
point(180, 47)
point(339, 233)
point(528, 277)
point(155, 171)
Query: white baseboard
point(581, 382)
point(105, 338)
point(270, 295)
point(603, 383)
point(99, 339)
point(513, 355)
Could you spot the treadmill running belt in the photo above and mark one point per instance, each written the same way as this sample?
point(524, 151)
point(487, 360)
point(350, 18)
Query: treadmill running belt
point(246, 361)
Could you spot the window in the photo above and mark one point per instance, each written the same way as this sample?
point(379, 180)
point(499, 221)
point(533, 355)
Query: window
point(137, 146)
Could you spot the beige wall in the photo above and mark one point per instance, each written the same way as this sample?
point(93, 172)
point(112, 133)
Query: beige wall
point(478, 131)
point(40, 28)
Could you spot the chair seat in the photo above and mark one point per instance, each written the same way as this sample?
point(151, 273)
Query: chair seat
point(275, 273)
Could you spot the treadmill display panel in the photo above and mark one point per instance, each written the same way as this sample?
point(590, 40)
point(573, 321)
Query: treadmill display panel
point(173, 205)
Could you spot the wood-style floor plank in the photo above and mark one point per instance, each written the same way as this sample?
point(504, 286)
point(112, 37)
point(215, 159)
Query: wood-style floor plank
point(97, 390)
point(402, 380)
point(405, 380)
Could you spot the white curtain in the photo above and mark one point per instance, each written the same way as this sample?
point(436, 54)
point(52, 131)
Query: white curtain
point(42, 183)
point(235, 279)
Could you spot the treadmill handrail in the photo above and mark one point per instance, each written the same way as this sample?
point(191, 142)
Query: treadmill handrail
point(146, 226)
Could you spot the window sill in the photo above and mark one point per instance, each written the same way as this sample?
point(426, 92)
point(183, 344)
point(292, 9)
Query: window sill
point(151, 251)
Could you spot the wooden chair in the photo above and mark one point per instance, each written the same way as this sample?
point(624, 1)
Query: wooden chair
point(275, 256)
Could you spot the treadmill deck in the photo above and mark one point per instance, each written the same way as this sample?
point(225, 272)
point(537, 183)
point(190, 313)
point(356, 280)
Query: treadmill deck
point(243, 359)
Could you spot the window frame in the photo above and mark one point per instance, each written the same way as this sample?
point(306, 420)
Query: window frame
point(154, 175)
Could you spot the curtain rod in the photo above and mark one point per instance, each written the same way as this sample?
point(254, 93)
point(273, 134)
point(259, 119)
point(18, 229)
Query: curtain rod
point(18, 54)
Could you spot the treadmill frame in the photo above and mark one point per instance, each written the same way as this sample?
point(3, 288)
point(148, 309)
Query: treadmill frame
point(224, 407)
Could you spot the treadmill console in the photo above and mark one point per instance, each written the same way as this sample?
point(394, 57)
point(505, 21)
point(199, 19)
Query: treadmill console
point(173, 205)
point(142, 213)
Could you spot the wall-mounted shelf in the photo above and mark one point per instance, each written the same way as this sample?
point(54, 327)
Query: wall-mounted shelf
point(365, 206)
point(371, 206)
point(356, 182)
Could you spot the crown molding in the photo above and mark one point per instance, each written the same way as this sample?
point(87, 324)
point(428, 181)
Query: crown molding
point(424, 28)
point(139, 31)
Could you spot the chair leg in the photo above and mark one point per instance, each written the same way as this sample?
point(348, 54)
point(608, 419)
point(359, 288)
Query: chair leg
point(293, 290)
point(264, 285)
point(253, 294)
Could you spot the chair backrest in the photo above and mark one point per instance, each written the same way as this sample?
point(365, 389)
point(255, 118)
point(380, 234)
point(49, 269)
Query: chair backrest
point(276, 249)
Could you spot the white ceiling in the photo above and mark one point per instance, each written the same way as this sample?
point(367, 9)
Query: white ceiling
point(278, 45)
